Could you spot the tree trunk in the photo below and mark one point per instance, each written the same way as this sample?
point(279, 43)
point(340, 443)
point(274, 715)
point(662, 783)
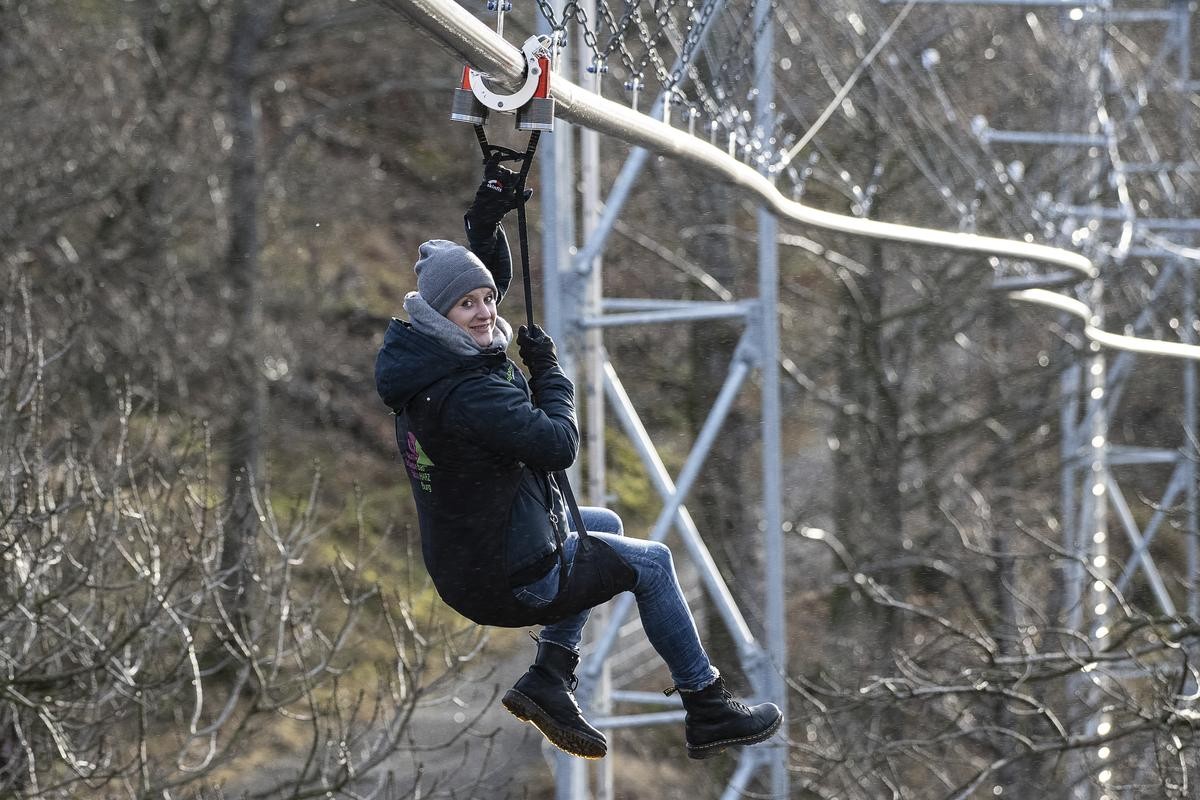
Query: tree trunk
point(246, 386)
point(1018, 778)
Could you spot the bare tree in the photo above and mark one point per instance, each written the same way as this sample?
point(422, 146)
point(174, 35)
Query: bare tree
point(128, 667)
point(124, 668)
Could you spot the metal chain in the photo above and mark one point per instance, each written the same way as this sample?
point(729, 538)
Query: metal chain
point(616, 40)
point(635, 39)
point(692, 38)
point(748, 52)
point(631, 19)
point(650, 43)
point(589, 36)
point(735, 48)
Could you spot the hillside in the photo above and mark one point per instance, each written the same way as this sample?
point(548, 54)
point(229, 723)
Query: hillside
point(212, 583)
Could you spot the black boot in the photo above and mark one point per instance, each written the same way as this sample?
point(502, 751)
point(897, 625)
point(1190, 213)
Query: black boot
point(543, 697)
point(715, 720)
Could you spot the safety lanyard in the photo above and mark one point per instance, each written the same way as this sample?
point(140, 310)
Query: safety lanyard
point(491, 151)
point(526, 159)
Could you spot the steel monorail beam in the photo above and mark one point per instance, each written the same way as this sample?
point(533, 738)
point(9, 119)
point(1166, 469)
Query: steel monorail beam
point(470, 39)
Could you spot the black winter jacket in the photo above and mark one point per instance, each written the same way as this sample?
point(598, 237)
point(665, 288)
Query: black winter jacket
point(479, 443)
point(477, 449)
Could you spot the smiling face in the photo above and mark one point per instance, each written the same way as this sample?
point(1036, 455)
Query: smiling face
point(475, 313)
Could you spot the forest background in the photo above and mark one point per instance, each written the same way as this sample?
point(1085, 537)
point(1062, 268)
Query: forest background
point(209, 211)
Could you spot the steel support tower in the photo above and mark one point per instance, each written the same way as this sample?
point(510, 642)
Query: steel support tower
point(577, 312)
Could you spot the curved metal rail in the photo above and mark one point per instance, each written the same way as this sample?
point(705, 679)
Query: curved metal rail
point(1114, 341)
point(460, 32)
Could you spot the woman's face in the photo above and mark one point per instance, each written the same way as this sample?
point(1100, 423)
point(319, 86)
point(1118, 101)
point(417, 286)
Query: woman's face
point(475, 313)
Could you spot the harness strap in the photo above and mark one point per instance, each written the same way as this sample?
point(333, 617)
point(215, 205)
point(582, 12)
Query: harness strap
point(522, 227)
point(564, 486)
point(491, 151)
point(482, 137)
point(526, 158)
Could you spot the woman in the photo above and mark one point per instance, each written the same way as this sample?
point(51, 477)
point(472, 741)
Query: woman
point(481, 445)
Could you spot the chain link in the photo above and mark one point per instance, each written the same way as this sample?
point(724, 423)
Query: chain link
point(634, 36)
point(650, 42)
point(692, 38)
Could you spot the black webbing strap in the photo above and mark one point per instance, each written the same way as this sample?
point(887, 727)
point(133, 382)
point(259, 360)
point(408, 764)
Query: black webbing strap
point(493, 151)
point(564, 486)
point(489, 150)
point(522, 228)
point(483, 142)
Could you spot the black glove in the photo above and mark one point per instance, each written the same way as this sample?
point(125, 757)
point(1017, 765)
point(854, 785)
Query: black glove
point(495, 197)
point(536, 349)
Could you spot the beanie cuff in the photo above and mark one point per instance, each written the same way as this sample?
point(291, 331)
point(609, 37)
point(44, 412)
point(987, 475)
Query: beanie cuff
point(466, 281)
point(446, 271)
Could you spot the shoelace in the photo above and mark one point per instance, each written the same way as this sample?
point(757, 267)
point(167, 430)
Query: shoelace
point(726, 696)
point(736, 704)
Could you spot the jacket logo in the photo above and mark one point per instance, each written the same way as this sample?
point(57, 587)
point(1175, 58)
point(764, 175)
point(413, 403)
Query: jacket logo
point(418, 463)
point(510, 373)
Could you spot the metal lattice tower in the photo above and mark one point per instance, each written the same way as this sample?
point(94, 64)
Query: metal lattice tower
point(1099, 476)
point(578, 311)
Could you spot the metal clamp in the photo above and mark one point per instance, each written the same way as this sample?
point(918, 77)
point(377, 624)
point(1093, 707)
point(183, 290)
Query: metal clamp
point(535, 50)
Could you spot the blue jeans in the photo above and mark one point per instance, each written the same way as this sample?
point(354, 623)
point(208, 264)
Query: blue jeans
point(665, 616)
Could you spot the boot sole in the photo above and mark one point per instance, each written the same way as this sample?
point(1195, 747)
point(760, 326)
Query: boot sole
point(702, 751)
point(565, 739)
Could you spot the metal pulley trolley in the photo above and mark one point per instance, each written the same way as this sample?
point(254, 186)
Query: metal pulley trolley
point(532, 103)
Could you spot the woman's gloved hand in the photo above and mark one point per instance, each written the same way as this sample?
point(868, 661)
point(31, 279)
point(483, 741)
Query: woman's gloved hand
point(495, 197)
point(536, 349)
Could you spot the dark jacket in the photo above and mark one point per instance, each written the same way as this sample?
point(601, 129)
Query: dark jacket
point(479, 443)
point(478, 450)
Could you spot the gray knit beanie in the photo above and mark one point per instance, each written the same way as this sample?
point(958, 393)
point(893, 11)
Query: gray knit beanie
point(446, 271)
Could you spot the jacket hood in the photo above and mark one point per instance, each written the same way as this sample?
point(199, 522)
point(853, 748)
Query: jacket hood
point(409, 361)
